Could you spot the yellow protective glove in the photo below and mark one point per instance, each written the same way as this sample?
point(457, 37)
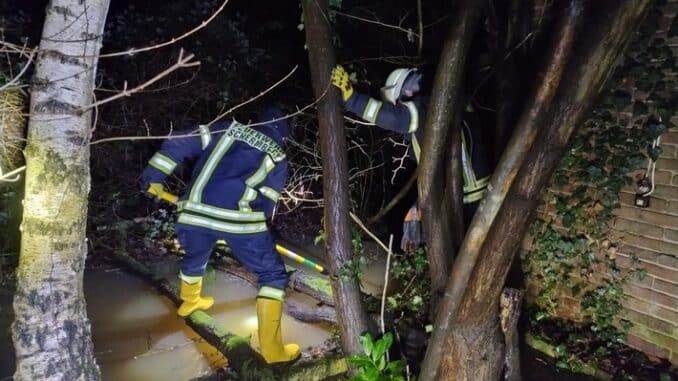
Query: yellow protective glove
point(156, 189)
point(340, 79)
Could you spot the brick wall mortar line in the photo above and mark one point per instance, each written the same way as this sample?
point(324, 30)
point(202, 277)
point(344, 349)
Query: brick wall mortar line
point(665, 213)
point(650, 315)
point(657, 303)
point(639, 334)
point(658, 265)
point(640, 244)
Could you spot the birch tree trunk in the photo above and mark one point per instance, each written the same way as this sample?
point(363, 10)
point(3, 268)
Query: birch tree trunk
point(348, 303)
point(51, 332)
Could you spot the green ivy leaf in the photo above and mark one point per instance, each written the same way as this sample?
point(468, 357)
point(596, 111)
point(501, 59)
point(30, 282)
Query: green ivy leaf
point(367, 343)
point(654, 152)
point(641, 274)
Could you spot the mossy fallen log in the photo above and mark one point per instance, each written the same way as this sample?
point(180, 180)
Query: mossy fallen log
point(549, 350)
point(315, 286)
point(315, 363)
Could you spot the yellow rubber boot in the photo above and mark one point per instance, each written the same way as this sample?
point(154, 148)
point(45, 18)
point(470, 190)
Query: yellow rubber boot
point(190, 294)
point(269, 312)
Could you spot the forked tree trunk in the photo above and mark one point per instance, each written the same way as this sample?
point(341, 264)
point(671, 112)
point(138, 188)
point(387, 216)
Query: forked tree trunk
point(51, 332)
point(444, 99)
point(469, 314)
point(352, 317)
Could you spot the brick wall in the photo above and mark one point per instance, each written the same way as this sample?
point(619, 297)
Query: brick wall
point(652, 235)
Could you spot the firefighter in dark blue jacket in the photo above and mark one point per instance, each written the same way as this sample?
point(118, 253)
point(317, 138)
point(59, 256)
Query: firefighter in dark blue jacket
point(403, 110)
point(237, 178)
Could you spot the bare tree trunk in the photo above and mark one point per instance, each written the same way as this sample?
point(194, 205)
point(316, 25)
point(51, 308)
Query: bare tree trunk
point(453, 199)
point(510, 304)
point(352, 317)
point(509, 78)
point(472, 298)
point(446, 92)
point(51, 332)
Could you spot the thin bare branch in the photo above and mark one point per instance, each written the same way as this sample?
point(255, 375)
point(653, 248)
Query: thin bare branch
point(171, 41)
point(407, 31)
point(283, 79)
point(182, 62)
point(16, 78)
point(6, 177)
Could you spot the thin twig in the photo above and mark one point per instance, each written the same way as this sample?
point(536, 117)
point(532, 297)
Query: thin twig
point(14, 80)
point(171, 41)
point(134, 138)
point(182, 62)
point(283, 79)
point(409, 32)
point(362, 226)
point(6, 177)
point(394, 200)
point(383, 292)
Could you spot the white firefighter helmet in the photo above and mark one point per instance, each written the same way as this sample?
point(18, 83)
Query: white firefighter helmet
point(394, 84)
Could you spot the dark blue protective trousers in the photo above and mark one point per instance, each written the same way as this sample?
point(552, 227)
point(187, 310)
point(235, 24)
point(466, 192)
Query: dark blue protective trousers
point(255, 251)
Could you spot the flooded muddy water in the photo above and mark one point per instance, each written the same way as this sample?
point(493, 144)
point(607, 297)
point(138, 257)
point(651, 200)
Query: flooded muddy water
point(137, 335)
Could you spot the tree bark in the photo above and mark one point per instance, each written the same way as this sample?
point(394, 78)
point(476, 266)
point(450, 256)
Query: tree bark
point(352, 318)
point(51, 332)
point(474, 302)
point(453, 199)
point(447, 88)
point(510, 305)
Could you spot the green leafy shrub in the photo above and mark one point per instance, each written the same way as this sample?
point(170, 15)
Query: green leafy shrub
point(373, 365)
point(411, 272)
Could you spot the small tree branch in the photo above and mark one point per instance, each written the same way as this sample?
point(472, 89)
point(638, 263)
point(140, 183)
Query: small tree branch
point(16, 78)
point(407, 31)
point(182, 62)
point(171, 41)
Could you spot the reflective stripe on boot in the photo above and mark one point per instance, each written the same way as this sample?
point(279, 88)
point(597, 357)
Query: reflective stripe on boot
point(190, 294)
point(269, 312)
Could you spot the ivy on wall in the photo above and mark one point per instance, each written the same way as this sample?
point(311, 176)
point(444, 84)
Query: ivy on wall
point(571, 250)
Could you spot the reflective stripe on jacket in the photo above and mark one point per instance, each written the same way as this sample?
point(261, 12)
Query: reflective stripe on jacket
point(237, 178)
point(407, 118)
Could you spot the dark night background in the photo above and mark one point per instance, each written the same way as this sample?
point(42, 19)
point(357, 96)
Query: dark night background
point(248, 47)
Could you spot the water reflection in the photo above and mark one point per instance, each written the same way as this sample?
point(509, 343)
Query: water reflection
point(137, 335)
